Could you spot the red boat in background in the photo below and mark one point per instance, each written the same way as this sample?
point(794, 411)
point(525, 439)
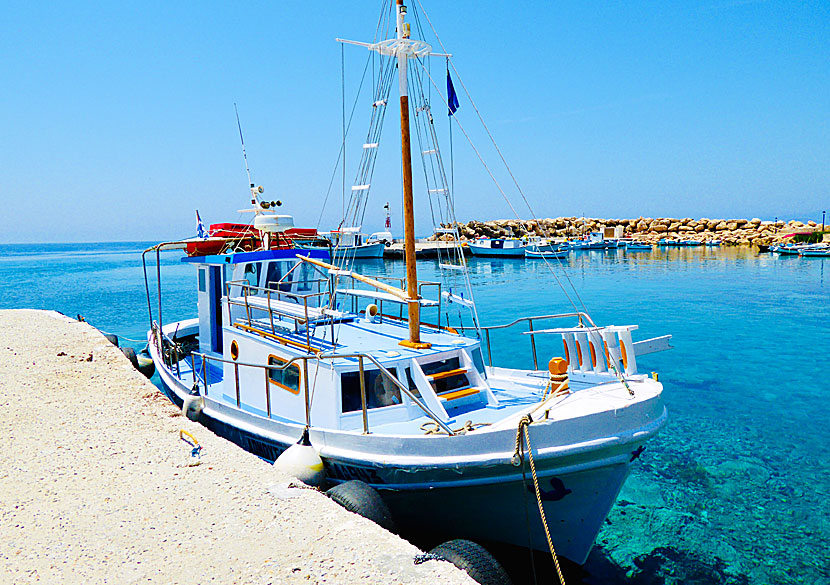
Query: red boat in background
point(240, 237)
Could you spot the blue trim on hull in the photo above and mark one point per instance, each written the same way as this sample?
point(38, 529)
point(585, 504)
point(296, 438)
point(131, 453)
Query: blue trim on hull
point(236, 258)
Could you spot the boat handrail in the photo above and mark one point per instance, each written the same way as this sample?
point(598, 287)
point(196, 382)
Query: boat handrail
point(529, 319)
point(327, 316)
point(157, 248)
point(578, 314)
point(318, 357)
point(431, 303)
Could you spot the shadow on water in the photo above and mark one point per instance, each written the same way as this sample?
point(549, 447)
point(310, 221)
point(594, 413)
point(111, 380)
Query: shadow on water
point(661, 566)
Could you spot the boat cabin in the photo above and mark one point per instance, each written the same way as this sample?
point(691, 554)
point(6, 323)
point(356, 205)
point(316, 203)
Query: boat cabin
point(347, 237)
point(270, 308)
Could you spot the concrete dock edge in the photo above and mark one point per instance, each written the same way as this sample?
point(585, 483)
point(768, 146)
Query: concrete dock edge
point(95, 485)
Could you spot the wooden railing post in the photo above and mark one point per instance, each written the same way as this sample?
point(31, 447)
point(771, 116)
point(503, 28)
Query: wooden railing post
point(236, 381)
point(533, 344)
point(305, 386)
point(363, 397)
point(267, 394)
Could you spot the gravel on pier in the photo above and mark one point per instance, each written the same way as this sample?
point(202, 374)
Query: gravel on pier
point(95, 485)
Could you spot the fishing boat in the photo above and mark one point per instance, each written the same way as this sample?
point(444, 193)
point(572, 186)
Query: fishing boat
point(540, 254)
point(788, 249)
point(498, 247)
point(638, 247)
point(350, 243)
point(286, 345)
point(815, 251)
point(668, 242)
point(540, 244)
point(593, 241)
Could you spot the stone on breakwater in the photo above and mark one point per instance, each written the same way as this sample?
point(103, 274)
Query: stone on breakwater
point(729, 231)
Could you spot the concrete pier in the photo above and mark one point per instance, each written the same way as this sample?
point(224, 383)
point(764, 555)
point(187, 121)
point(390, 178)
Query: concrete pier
point(95, 485)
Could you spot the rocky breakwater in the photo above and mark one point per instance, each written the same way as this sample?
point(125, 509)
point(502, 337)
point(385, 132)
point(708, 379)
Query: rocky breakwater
point(728, 231)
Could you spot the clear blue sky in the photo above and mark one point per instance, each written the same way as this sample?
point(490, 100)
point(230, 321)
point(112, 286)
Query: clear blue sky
point(118, 121)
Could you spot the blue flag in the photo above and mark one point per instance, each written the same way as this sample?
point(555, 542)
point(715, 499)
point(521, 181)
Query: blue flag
point(201, 232)
point(452, 98)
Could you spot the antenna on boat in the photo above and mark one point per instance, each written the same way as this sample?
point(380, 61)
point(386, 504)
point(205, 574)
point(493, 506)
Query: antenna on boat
point(254, 190)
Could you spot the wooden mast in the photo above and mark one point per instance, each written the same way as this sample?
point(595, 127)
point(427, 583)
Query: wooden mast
point(408, 206)
point(403, 48)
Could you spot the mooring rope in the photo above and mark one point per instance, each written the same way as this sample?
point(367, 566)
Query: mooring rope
point(518, 456)
point(432, 428)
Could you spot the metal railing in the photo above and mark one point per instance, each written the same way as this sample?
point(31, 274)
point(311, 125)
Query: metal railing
point(302, 300)
point(305, 359)
point(166, 246)
point(529, 320)
point(579, 315)
point(421, 285)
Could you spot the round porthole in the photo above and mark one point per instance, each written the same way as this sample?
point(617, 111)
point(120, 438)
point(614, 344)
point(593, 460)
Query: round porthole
point(234, 350)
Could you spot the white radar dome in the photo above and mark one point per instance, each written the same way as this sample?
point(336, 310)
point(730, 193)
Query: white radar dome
point(273, 223)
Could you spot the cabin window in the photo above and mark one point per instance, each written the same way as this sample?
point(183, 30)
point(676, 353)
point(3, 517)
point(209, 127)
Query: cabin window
point(252, 276)
point(202, 279)
point(306, 281)
point(276, 272)
point(380, 390)
point(287, 378)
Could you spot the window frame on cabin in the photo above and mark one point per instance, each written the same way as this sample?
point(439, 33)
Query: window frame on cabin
point(350, 401)
point(271, 371)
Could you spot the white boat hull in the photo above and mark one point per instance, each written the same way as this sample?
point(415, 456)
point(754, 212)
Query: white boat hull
point(546, 254)
point(576, 504)
point(823, 253)
point(465, 485)
point(487, 251)
point(358, 252)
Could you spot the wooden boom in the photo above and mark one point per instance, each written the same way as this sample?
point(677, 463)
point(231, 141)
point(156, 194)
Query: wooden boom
point(401, 294)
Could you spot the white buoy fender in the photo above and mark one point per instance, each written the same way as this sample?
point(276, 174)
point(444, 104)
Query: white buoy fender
point(193, 404)
point(145, 364)
point(303, 462)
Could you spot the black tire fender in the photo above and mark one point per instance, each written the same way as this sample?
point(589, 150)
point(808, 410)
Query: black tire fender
point(129, 352)
point(112, 338)
point(360, 498)
point(474, 560)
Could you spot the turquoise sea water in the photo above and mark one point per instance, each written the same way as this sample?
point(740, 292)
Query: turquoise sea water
point(736, 487)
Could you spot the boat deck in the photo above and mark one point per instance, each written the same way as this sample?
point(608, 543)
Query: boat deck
point(518, 394)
